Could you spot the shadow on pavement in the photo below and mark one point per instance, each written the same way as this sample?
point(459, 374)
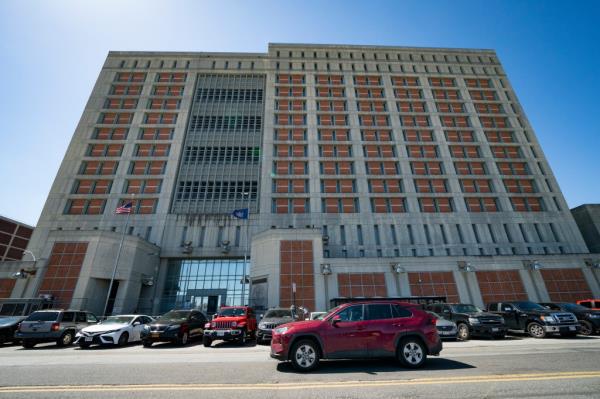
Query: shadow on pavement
point(374, 366)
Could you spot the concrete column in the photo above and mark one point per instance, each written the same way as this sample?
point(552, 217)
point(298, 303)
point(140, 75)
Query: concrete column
point(592, 276)
point(539, 285)
point(530, 286)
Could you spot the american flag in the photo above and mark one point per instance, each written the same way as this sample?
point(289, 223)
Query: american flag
point(125, 208)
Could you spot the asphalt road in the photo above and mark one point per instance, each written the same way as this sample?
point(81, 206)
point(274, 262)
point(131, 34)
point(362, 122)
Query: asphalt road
point(517, 367)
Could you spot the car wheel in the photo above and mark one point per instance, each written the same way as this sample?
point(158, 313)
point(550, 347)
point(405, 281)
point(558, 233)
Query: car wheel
point(243, 338)
point(463, 332)
point(586, 327)
point(66, 339)
point(27, 344)
point(123, 339)
point(536, 330)
point(84, 345)
point(305, 355)
point(147, 344)
point(184, 339)
point(206, 341)
point(412, 353)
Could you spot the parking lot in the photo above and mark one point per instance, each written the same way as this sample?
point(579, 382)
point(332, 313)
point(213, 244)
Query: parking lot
point(519, 365)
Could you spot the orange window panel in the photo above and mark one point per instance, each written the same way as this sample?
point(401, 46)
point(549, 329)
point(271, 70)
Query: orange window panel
point(147, 206)
point(490, 204)
point(152, 186)
point(473, 204)
point(374, 168)
point(281, 186)
point(299, 168)
point(281, 168)
point(84, 186)
point(281, 205)
point(114, 150)
point(331, 205)
point(299, 205)
point(348, 205)
point(380, 205)
point(330, 186)
point(298, 151)
point(156, 167)
point(144, 150)
point(102, 186)
point(134, 186)
point(108, 167)
point(377, 186)
point(76, 207)
point(298, 186)
point(95, 206)
point(345, 168)
point(161, 150)
point(346, 186)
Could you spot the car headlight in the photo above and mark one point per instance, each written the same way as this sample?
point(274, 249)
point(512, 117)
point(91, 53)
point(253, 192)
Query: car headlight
point(262, 325)
point(233, 324)
point(281, 330)
point(549, 319)
point(473, 320)
point(594, 315)
point(146, 327)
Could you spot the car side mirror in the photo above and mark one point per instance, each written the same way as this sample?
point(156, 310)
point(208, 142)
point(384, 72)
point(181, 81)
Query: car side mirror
point(335, 320)
point(508, 310)
point(137, 323)
point(446, 311)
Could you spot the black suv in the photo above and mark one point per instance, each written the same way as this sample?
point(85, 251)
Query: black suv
point(588, 319)
point(178, 326)
point(536, 320)
point(470, 320)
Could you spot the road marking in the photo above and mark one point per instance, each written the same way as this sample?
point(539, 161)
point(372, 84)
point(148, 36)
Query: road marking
point(295, 386)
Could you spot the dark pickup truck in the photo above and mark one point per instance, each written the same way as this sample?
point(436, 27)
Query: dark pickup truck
point(588, 319)
point(470, 320)
point(536, 320)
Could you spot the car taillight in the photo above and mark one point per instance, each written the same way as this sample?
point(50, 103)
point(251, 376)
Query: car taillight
point(55, 327)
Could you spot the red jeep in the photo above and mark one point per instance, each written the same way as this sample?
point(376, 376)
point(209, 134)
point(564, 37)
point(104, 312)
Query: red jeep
point(383, 328)
point(231, 323)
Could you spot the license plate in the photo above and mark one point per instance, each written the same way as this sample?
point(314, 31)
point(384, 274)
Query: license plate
point(89, 339)
point(572, 328)
point(495, 329)
point(220, 333)
point(155, 334)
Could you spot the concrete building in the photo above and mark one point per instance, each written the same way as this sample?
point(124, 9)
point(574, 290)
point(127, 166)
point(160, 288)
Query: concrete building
point(368, 171)
point(587, 217)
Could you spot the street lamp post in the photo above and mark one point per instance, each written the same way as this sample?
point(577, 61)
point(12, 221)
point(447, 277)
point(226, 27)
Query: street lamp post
point(247, 248)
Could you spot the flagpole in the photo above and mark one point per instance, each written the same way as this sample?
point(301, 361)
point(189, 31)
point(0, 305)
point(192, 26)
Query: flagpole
point(246, 250)
point(114, 273)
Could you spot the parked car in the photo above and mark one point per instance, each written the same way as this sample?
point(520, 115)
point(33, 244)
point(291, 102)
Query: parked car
point(592, 304)
point(114, 330)
point(536, 320)
point(589, 320)
point(445, 328)
point(231, 323)
point(316, 315)
point(272, 319)
point(8, 326)
point(53, 325)
point(177, 326)
point(470, 320)
point(371, 329)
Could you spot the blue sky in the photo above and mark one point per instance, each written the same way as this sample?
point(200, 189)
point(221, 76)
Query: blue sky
point(51, 53)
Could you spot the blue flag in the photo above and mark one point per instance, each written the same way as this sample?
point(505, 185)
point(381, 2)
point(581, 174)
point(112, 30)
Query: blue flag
point(240, 213)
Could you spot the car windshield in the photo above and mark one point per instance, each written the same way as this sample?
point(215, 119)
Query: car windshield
point(434, 314)
point(175, 315)
point(43, 316)
point(232, 312)
point(278, 314)
point(466, 309)
point(528, 306)
point(331, 311)
point(117, 320)
point(571, 307)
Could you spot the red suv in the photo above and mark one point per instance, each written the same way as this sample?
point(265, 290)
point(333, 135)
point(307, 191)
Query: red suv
point(359, 330)
point(231, 323)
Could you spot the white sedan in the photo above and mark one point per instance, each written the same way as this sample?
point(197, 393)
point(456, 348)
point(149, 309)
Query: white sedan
point(114, 330)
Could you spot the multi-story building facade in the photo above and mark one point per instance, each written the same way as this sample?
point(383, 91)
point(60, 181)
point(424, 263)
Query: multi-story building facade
point(368, 171)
